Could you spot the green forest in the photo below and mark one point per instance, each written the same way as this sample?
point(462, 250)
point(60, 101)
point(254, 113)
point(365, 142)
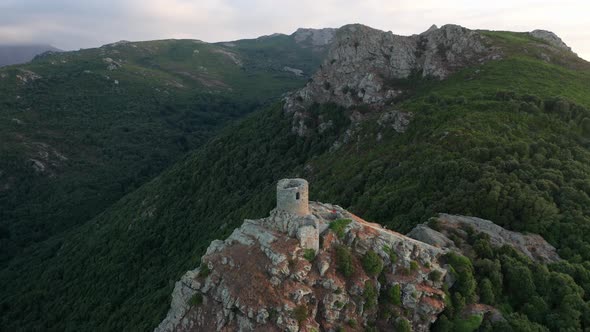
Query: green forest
point(104, 121)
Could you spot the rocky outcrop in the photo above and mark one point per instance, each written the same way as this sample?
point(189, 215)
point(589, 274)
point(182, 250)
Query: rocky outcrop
point(314, 37)
point(27, 76)
point(270, 276)
point(439, 231)
point(262, 279)
point(551, 38)
point(396, 120)
point(112, 64)
point(230, 55)
point(363, 63)
point(294, 71)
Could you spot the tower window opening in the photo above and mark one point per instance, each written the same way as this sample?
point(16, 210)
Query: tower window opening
point(297, 196)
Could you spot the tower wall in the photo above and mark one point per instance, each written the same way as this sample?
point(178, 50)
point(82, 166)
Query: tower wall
point(293, 196)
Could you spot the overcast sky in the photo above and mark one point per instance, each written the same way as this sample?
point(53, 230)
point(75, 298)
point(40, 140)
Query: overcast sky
point(74, 24)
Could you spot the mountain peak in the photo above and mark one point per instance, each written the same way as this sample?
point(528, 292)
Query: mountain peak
point(308, 266)
point(363, 61)
point(317, 37)
point(17, 54)
point(550, 38)
point(433, 27)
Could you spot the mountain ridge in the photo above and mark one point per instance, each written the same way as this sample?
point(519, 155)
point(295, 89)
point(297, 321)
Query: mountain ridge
point(13, 54)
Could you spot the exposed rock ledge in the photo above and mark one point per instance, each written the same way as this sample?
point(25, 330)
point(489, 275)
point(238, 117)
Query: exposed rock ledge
point(363, 65)
point(362, 62)
point(550, 38)
point(531, 245)
point(257, 278)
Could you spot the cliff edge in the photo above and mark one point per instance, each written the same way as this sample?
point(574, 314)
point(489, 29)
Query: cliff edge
point(262, 278)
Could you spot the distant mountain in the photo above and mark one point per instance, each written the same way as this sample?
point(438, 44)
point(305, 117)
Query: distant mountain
point(15, 54)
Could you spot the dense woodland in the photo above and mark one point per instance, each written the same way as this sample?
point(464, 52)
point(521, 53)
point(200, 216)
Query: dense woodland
point(507, 141)
point(101, 133)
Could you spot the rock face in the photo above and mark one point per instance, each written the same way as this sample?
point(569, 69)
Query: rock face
point(262, 279)
point(550, 38)
point(531, 245)
point(27, 76)
point(364, 66)
point(363, 63)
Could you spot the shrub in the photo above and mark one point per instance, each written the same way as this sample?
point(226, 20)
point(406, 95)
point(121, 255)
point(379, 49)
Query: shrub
point(204, 271)
point(370, 295)
point(435, 275)
point(309, 254)
point(463, 270)
point(471, 323)
point(300, 313)
point(344, 261)
point(414, 266)
point(372, 263)
point(391, 253)
point(196, 300)
point(403, 325)
point(483, 248)
point(443, 324)
point(394, 295)
point(272, 314)
point(435, 224)
point(352, 323)
point(338, 226)
point(404, 271)
point(486, 292)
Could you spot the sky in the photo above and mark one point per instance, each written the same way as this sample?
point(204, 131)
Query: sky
point(74, 24)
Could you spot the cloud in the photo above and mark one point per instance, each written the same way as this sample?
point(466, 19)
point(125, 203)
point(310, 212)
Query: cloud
point(71, 24)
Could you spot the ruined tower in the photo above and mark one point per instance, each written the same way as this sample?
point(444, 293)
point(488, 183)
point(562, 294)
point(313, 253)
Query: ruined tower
point(293, 196)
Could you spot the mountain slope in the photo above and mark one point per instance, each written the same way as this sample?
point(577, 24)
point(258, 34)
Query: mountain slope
point(506, 140)
point(81, 129)
point(15, 54)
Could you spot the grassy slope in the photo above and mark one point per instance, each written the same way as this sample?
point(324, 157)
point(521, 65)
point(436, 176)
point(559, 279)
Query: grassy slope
point(119, 128)
point(473, 148)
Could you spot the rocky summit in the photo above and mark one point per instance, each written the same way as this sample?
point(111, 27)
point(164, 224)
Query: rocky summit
point(318, 267)
point(262, 279)
point(363, 63)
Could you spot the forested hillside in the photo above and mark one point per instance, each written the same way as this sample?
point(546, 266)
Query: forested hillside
point(79, 130)
point(15, 54)
point(508, 141)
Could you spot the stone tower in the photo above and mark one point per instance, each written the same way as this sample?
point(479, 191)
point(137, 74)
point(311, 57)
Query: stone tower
point(293, 196)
